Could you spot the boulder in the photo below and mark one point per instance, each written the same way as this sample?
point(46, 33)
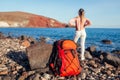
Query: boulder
point(111, 59)
point(117, 52)
point(88, 55)
point(105, 41)
point(93, 51)
point(38, 56)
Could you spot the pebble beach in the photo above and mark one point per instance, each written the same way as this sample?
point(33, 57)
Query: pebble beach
point(14, 63)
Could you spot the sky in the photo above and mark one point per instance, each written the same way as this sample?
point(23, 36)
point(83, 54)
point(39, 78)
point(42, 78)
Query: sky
point(102, 13)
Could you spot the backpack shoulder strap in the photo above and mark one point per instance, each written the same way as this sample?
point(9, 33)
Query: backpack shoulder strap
point(54, 54)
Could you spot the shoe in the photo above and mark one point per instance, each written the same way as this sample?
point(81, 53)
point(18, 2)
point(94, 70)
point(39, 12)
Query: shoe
point(82, 58)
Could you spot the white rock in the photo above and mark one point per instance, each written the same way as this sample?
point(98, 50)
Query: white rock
point(4, 24)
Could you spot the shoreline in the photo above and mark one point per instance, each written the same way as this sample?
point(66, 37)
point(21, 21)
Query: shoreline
point(14, 63)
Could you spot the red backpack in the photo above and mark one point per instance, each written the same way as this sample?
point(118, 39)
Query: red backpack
point(64, 58)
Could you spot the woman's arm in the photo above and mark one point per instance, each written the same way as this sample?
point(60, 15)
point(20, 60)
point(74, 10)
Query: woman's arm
point(88, 22)
point(72, 22)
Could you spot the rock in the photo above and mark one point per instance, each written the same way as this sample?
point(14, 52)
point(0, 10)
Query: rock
point(83, 76)
point(117, 52)
point(25, 43)
point(14, 63)
point(104, 77)
point(31, 72)
point(97, 70)
point(105, 41)
point(7, 78)
point(32, 40)
point(46, 76)
point(24, 76)
point(0, 78)
point(2, 36)
point(21, 78)
point(111, 59)
point(24, 38)
point(88, 55)
point(3, 70)
point(37, 77)
point(19, 67)
point(60, 78)
point(108, 65)
point(38, 55)
point(108, 72)
point(92, 50)
point(92, 63)
point(42, 39)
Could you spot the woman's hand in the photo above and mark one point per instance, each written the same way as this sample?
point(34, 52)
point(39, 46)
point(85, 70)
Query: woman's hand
point(87, 23)
point(72, 22)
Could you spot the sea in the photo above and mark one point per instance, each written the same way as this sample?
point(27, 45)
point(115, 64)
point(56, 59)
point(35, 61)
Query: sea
point(94, 35)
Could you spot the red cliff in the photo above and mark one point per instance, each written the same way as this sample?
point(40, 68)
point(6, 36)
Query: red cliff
point(41, 21)
point(23, 19)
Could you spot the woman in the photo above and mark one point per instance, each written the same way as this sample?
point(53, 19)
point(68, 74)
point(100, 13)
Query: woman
point(80, 22)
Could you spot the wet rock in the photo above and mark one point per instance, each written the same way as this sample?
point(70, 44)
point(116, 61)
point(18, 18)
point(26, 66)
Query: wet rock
point(117, 52)
point(105, 41)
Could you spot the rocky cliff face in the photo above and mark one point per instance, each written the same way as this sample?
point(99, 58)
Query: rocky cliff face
point(22, 19)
